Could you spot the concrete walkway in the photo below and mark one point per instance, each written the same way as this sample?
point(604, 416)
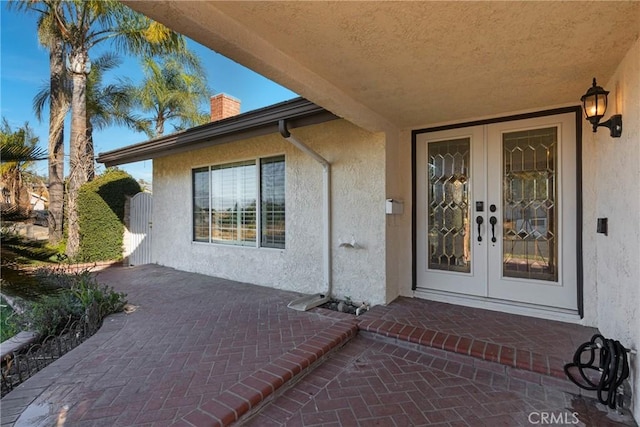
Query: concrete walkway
point(202, 351)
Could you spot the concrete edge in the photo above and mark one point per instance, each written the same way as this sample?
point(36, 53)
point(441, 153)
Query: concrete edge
point(17, 343)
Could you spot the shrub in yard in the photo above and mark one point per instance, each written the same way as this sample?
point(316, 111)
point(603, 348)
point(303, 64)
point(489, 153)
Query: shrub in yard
point(9, 325)
point(52, 313)
point(58, 277)
point(96, 298)
point(80, 295)
point(101, 213)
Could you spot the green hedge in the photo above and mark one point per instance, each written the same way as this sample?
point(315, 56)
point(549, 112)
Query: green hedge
point(101, 212)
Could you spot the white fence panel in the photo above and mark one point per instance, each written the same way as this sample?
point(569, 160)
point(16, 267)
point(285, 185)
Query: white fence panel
point(139, 249)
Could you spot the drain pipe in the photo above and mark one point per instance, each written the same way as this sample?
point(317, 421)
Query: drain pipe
point(309, 301)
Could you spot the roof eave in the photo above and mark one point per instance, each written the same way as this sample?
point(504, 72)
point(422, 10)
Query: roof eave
point(297, 112)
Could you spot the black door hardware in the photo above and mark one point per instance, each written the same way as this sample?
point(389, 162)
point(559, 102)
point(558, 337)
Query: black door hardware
point(493, 221)
point(479, 221)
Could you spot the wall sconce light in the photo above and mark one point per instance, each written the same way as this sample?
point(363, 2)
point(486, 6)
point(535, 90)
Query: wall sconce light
point(594, 105)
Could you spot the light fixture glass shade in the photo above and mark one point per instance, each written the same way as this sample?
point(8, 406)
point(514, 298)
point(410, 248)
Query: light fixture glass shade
point(595, 105)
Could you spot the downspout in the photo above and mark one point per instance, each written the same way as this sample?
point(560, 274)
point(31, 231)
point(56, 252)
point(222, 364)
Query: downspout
point(309, 301)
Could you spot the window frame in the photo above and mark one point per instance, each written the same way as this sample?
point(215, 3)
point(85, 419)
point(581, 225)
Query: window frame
point(258, 243)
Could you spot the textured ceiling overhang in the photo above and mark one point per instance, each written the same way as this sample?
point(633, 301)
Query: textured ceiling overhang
point(399, 65)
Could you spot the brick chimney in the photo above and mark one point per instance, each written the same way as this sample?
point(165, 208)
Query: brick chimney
point(223, 106)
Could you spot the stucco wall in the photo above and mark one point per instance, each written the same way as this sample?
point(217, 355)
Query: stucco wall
point(358, 191)
point(398, 233)
point(616, 164)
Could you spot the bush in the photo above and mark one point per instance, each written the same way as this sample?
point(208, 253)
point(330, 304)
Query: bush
point(52, 313)
point(57, 277)
point(80, 295)
point(101, 215)
point(9, 325)
point(99, 298)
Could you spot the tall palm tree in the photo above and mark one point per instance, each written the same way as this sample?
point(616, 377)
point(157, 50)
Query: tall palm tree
point(111, 104)
point(172, 90)
point(84, 24)
point(50, 37)
point(107, 105)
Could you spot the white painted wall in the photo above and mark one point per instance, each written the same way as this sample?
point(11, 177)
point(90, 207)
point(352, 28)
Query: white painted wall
point(616, 167)
point(358, 187)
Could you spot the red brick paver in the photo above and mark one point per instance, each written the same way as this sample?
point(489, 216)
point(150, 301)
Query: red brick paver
point(201, 351)
point(537, 345)
point(372, 382)
point(187, 354)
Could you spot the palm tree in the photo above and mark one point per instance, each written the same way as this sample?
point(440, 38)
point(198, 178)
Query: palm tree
point(13, 153)
point(17, 150)
point(107, 105)
point(81, 25)
point(84, 24)
point(50, 37)
point(111, 104)
point(172, 90)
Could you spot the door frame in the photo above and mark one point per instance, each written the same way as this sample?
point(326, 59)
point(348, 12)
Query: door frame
point(577, 111)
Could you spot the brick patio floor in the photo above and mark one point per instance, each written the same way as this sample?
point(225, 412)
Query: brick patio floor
point(538, 345)
point(192, 338)
point(375, 383)
point(202, 351)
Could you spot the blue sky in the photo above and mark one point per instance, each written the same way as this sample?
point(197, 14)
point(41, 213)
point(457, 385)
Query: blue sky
point(24, 70)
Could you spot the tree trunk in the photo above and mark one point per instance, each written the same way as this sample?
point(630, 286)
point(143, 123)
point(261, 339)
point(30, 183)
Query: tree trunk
point(89, 154)
point(16, 185)
point(57, 112)
point(81, 168)
point(160, 126)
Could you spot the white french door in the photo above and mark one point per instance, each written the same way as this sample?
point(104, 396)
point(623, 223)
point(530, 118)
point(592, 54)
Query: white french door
point(496, 211)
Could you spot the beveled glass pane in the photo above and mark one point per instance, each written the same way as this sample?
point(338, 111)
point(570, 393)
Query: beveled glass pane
point(448, 206)
point(529, 243)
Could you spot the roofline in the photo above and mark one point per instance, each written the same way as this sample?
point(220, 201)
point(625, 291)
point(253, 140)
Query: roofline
point(298, 112)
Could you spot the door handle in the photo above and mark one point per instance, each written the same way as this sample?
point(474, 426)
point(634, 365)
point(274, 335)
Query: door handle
point(479, 221)
point(493, 221)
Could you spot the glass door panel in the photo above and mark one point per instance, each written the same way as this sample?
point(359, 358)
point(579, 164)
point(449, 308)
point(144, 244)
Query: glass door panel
point(496, 213)
point(451, 250)
point(530, 246)
point(448, 206)
point(533, 188)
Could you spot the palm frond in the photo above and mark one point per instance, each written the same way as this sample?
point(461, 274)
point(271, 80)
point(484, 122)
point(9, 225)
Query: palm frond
point(13, 213)
point(15, 153)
